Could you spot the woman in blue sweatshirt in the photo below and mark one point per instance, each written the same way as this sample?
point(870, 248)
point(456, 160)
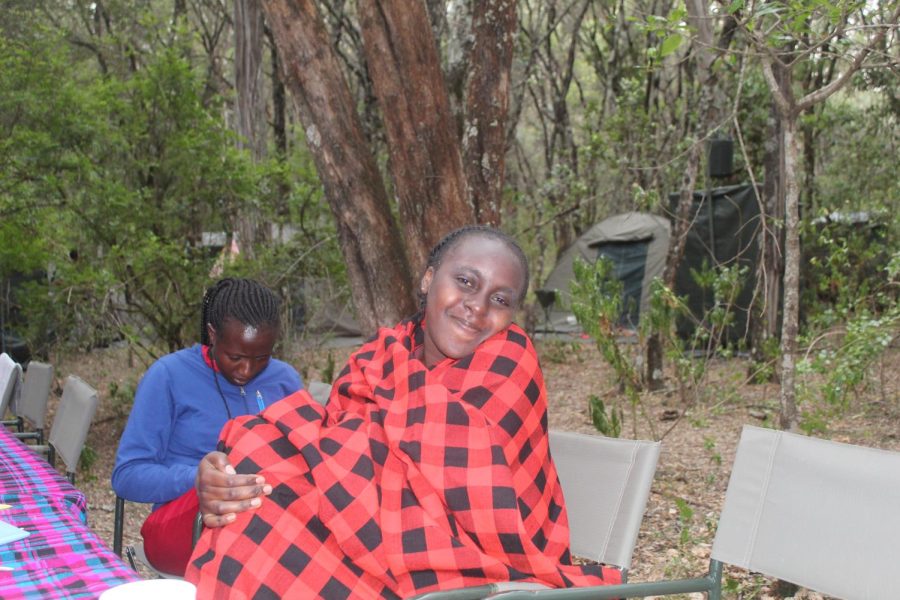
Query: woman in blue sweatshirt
point(184, 400)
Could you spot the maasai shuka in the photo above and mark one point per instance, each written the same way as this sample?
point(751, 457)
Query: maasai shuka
point(408, 480)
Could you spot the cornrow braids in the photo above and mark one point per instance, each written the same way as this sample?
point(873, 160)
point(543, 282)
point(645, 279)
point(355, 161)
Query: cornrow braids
point(244, 300)
point(450, 241)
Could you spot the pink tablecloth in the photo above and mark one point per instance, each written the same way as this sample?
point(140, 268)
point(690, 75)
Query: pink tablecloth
point(61, 557)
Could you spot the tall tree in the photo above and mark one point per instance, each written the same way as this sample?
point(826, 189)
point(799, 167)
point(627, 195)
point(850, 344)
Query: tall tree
point(425, 157)
point(786, 38)
point(706, 51)
point(250, 108)
point(484, 131)
point(376, 263)
point(429, 180)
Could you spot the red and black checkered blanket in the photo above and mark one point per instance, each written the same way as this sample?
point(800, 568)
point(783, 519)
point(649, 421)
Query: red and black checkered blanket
point(409, 480)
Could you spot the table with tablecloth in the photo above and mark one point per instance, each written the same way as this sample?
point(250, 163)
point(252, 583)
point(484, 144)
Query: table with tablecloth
point(61, 557)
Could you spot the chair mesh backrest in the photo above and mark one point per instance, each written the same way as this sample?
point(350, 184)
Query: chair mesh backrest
point(72, 420)
point(35, 393)
point(821, 514)
point(606, 483)
point(319, 391)
point(10, 379)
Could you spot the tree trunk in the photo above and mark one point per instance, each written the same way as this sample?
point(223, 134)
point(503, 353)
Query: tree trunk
point(425, 158)
point(279, 102)
point(487, 97)
point(376, 265)
point(791, 316)
point(457, 49)
point(706, 81)
point(770, 269)
point(250, 109)
point(653, 374)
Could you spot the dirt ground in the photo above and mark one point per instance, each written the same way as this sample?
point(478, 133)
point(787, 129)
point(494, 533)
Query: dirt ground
point(698, 440)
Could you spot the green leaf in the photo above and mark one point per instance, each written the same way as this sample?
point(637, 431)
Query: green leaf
point(735, 6)
point(670, 45)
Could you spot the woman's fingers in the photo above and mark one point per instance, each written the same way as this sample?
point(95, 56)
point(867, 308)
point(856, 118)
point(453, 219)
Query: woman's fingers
point(217, 513)
point(212, 521)
point(223, 493)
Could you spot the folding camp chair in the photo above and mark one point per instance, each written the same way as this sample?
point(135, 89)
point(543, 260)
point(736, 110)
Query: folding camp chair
point(10, 384)
point(70, 424)
point(606, 483)
point(820, 514)
point(31, 409)
point(135, 552)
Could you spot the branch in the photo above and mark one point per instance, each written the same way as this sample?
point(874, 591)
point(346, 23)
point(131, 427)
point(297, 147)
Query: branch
point(820, 95)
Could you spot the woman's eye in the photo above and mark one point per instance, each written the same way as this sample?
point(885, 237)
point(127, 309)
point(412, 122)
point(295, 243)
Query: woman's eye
point(501, 300)
point(464, 280)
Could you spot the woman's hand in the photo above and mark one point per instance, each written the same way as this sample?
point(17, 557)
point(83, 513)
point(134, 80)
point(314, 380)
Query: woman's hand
point(223, 493)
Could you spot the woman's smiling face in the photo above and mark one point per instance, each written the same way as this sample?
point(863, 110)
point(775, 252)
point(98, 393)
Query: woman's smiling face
point(472, 295)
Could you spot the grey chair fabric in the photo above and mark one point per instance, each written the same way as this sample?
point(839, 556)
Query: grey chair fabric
point(820, 514)
point(71, 424)
point(606, 483)
point(31, 409)
point(10, 383)
point(73, 420)
point(319, 390)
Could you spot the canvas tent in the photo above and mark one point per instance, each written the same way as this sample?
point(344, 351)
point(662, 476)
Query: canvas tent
point(636, 243)
point(724, 229)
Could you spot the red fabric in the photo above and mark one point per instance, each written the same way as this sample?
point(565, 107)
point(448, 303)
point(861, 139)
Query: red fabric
point(409, 480)
point(207, 358)
point(168, 533)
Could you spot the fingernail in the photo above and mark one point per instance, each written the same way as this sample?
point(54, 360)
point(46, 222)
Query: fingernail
point(230, 470)
point(267, 489)
point(230, 517)
point(255, 502)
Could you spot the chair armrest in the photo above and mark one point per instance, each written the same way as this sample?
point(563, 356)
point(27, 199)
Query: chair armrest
point(198, 529)
point(29, 435)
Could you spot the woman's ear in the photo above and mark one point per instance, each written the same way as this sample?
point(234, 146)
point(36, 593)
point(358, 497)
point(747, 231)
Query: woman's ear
point(212, 334)
point(425, 284)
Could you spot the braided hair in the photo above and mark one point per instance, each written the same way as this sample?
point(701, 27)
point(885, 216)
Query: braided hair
point(450, 241)
point(244, 300)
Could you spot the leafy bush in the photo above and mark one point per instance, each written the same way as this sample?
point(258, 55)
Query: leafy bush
point(109, 186)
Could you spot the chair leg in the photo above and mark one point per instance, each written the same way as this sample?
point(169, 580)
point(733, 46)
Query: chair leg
point(715, 575)
point(129, 553)
point(118, 525)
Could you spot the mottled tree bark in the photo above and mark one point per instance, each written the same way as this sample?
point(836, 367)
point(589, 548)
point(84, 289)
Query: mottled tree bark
point(378, 271)
point(250, 109)
point(425, 157)
point(487, 105)
point(788, 419)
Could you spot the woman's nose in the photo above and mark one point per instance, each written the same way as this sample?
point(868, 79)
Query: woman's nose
point(244, 369)
point(476, 303)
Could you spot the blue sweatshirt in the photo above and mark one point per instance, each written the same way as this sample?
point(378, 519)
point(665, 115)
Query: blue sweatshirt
point(176, 419)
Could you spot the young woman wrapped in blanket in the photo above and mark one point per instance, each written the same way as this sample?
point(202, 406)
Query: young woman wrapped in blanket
point(428, 468)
